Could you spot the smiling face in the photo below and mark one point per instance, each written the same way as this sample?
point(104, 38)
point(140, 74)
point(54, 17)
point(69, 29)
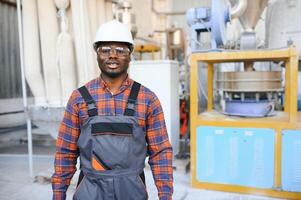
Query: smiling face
point(113, 59)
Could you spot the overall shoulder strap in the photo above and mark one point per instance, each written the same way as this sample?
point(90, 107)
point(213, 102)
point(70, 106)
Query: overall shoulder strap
point(130, 106)
point(92, 110)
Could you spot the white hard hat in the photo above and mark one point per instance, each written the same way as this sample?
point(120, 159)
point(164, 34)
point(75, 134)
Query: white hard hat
point(113, 31)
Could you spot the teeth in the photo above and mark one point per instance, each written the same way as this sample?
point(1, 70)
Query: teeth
point(113, 65)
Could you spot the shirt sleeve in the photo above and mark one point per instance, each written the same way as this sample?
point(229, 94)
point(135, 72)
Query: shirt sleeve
point(66, 151)
point(159, 150)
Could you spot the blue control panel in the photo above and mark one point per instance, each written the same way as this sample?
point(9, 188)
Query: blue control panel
point(291, 160)
point(235, 156)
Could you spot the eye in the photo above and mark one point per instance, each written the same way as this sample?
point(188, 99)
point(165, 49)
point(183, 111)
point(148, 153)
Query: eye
point(105, 50)
point(120, 50)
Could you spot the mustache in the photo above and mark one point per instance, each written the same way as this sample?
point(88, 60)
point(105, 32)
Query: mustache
point(111, 62)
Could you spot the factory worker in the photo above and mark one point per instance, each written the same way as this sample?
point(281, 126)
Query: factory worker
point(113, 123)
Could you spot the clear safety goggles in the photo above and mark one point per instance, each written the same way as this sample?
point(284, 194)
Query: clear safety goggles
point(107, 50)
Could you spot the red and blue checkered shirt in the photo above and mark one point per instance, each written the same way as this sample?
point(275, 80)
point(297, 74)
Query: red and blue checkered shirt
point(150, 117)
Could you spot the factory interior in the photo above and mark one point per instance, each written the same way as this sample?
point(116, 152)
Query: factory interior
point(227, 74)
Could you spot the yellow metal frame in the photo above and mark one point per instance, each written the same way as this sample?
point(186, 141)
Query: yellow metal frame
point(288, 119)
point(147, 48)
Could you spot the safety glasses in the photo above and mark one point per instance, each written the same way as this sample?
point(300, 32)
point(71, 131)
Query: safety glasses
point(107, 50)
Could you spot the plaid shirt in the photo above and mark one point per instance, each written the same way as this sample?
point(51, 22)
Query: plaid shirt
point(150, 117)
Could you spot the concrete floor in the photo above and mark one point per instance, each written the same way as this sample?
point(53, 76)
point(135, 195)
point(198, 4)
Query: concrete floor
point(15, 183)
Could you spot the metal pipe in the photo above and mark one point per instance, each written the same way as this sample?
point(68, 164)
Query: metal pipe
point(238, 9)
point(166, 13)
point(29, 138)
point(24, 92)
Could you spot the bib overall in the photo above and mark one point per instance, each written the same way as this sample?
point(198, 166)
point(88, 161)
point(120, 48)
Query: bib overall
point(112, 154)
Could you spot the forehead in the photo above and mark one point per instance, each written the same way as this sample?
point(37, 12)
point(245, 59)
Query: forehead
point(114, 44)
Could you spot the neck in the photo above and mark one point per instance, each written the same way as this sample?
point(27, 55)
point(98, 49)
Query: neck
point(114, 83)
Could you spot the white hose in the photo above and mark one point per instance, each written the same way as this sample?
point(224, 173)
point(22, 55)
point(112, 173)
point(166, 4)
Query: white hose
point(65, 54)
point(48, 34)
point(32, 56)
point(66, 63)
point(83, 44)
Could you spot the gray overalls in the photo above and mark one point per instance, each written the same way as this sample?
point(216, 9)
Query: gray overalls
point(112, 154)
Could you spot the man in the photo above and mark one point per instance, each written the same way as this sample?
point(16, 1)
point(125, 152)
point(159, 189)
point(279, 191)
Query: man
point(112, 123)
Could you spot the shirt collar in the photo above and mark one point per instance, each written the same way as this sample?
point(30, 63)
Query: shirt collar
point(125, 84)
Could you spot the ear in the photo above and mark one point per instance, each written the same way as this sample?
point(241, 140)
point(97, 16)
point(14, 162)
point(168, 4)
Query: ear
point(131, 57)
point(95, 46)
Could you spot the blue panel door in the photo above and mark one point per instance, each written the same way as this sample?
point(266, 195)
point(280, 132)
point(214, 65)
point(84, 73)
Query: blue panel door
point(291, 160)
point(235, 156)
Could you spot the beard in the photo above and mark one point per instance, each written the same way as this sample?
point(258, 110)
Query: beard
point(113, 74)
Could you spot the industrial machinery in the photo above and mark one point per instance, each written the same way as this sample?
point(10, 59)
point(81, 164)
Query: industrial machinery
point(212, 20)
point(246, 154)
point(250, 92)
point(247, 137)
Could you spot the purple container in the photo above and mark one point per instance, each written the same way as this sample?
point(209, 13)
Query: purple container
point(250, 108)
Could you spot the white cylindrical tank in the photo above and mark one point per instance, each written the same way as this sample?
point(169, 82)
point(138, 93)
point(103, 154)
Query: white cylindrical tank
point(283, 26)
point(32, 56)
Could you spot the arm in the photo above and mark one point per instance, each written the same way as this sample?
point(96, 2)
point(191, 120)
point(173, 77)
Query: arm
point(159, 150)
point(66, 152)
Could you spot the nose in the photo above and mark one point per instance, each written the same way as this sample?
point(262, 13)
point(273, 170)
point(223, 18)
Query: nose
point(113, 53)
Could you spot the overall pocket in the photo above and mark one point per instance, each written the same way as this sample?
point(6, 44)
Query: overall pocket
point(98, 164)
point(113, 143)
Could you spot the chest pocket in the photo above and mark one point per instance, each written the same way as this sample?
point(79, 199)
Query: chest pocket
point(112, 143)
